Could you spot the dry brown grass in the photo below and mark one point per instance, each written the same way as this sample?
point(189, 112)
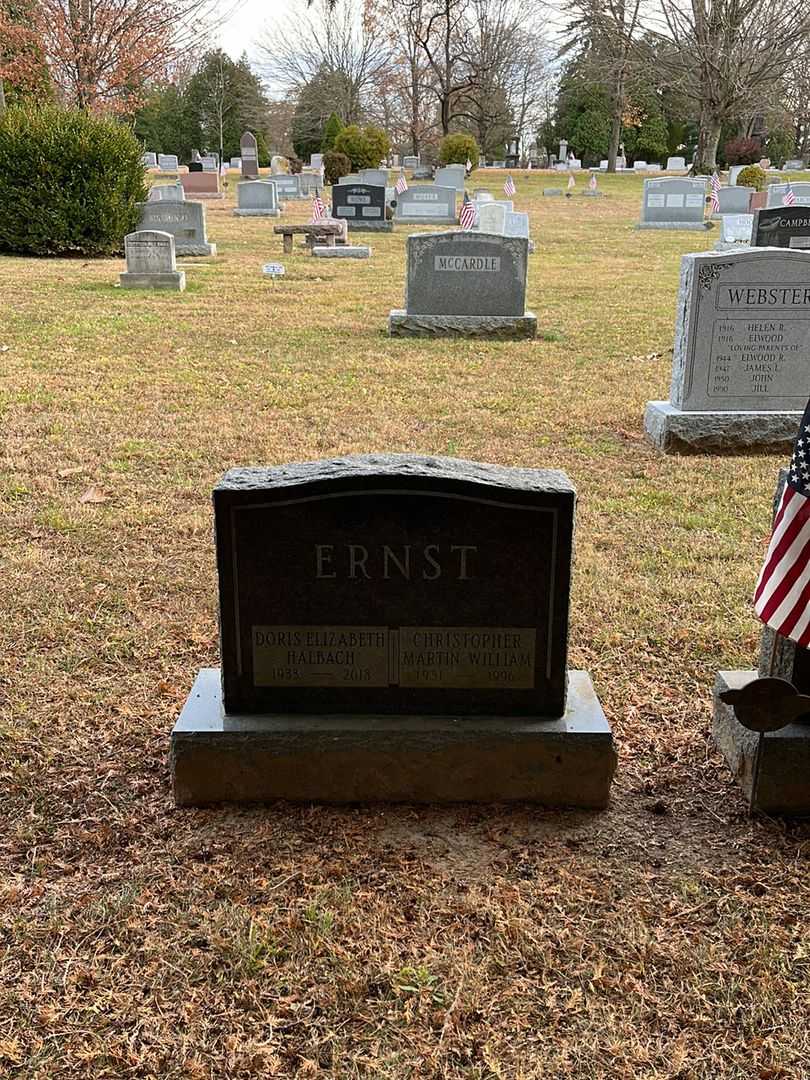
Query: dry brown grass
point(666, 938)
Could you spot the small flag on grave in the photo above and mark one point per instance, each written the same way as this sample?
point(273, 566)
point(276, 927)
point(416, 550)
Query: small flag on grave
point(509, 186)
point(402, 184)
point(782, 597)
point(571, 182)
point(591, 182)
point(789, 196)
point(318, 210)
point(715, 193)
point(469, 165)
point(466, 218)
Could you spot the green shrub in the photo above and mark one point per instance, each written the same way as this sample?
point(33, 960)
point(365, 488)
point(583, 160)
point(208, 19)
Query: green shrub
point(335, 165)
point(752, 176)
point(69, 182)
point(364, 147)
point(334, 126)
point(458, 149)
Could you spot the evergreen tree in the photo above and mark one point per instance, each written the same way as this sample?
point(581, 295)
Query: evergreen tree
point(334, 126)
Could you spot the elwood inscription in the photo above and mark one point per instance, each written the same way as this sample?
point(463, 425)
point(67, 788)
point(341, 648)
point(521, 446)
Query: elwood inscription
point(394, 585)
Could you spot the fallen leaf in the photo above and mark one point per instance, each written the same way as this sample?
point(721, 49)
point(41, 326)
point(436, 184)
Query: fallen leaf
point(63, 474)
point(94, 494)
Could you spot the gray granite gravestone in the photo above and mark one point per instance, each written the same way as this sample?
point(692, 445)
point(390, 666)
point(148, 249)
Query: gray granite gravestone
point(393, 628)
point(184, 220)
point(734, 200)
point(782, 226)
point(733, 173)
point(362, 206)
point(288, 187)
point(316, 161)
point(235, 163)
point(351, 178)
point(676, 164)
point(451, 176)
point(410, 161)
point(210, 163)
point(741, 360)
point(465, 284)
point(673, 203)
point(427, 204)
point(149, 161)
point(801, 192)
point(167, 192)
point(793, 165)
point(168, 162)
point(150, 262)
point(492, 217)
point(256, 198)
point(250, 153)
point(422, 172)
point(375, 177)
point(310, 182)
point(735, 231)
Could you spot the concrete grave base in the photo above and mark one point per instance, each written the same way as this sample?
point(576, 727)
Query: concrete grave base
point(677, 226)
point(195, 249)
point(257, 213)
point(773, 769)
point(170, 279)
point(345, 251)
point(569, 761)
point(426, 221)
point(675, 431)
point(370, 226)
point(401, 324)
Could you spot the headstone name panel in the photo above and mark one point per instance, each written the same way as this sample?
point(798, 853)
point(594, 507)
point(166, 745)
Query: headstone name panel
point(426, 203)
point(782, 226)
point(184, 220)
point(394, 596)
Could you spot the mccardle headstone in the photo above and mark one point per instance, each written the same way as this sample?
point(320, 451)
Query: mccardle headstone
point(465, 284)
point(393, 628)
point(362, 206)
point(249, 151)
point(150, 262)
point(782, 226)
point(185, 221)
point(256, 198)
point(673, 203)
point(741, 361)
point(427, 204)
point(801, 192)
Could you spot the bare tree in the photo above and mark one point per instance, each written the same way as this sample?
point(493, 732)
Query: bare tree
point(728, 57)
point(441, 32)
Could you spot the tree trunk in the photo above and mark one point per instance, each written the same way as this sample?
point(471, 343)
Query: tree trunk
point(708, 139)
point(616, 125)
point(2, 98)
point(446, 114)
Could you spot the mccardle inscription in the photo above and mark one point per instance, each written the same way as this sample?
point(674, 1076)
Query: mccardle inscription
point(471, 262)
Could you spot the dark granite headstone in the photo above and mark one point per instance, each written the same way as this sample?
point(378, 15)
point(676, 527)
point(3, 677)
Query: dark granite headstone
point(462, 273)
point(361, 205)
point(410, 586)
point(248, 149)
point(782, 226)
point(195, 166)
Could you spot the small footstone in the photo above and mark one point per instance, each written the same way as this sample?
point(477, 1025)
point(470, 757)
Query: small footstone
point(345, 251)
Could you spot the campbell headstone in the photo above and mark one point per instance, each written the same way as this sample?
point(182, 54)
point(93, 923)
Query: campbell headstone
point(168, 162)
point(673, 203)
point(362, 206)
point(185, 221)
point(425, 204)
point(735, 231)
point(465, 284)
point(782, 226)
point(741, 360)
point(151, 262)
point(256, 198)
point(395, 628)
point(801, 193)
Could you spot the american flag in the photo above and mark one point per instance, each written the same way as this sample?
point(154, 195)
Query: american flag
point(402, 184)
point(469, 165)
point(715, 193)
point(591, 182)
point(789, 198)
point(466, 218)
point(571, 182)
point(318, 210)
point(509, 186)
point(782, 597)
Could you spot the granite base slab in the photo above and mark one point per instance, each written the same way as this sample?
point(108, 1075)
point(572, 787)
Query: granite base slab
point(257, 213)
point(345, 251)
point(675, 431)
point(172, 280)
point(401, 324)
point(676, 226)
point(426, 221)
point(773, 769)
point(371, 226)
point(195, 249)
point(567, 761)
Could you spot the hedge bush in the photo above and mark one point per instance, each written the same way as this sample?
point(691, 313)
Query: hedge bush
point(69, 182)
point(752, 176)
point(459, 149)
point(365, 147)
point(335, 165)
point(742, 151)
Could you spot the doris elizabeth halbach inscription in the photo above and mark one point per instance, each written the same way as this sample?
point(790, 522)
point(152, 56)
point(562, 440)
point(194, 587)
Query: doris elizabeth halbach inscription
point(360, 586)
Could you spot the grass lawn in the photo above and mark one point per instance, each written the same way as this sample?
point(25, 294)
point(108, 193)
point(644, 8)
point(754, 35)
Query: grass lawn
point(667, 937)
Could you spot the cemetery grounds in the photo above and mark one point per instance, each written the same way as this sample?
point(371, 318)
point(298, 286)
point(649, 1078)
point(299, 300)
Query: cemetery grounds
point(665, 938)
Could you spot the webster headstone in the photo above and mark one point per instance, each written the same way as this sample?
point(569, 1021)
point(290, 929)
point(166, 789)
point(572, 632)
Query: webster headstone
point(782, 226)
point(151, 262)
point(741, 360)
point(673, 203)
point(185, 221)
point(362, 206)
point(393, 627)
point(256, 198)
point(801, 193)
point(249, 151)
point(465, 284)
point(425, 204)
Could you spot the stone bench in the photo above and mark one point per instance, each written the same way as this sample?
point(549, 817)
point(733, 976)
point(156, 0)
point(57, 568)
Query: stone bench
point(322, 232)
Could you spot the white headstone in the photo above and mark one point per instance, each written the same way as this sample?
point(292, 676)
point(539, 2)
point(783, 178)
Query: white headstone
point(151, 262)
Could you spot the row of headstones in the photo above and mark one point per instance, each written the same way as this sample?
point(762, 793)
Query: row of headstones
point(680, 203)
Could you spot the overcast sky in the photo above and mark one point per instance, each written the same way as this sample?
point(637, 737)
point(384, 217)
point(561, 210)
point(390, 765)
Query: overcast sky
point(239, 33)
